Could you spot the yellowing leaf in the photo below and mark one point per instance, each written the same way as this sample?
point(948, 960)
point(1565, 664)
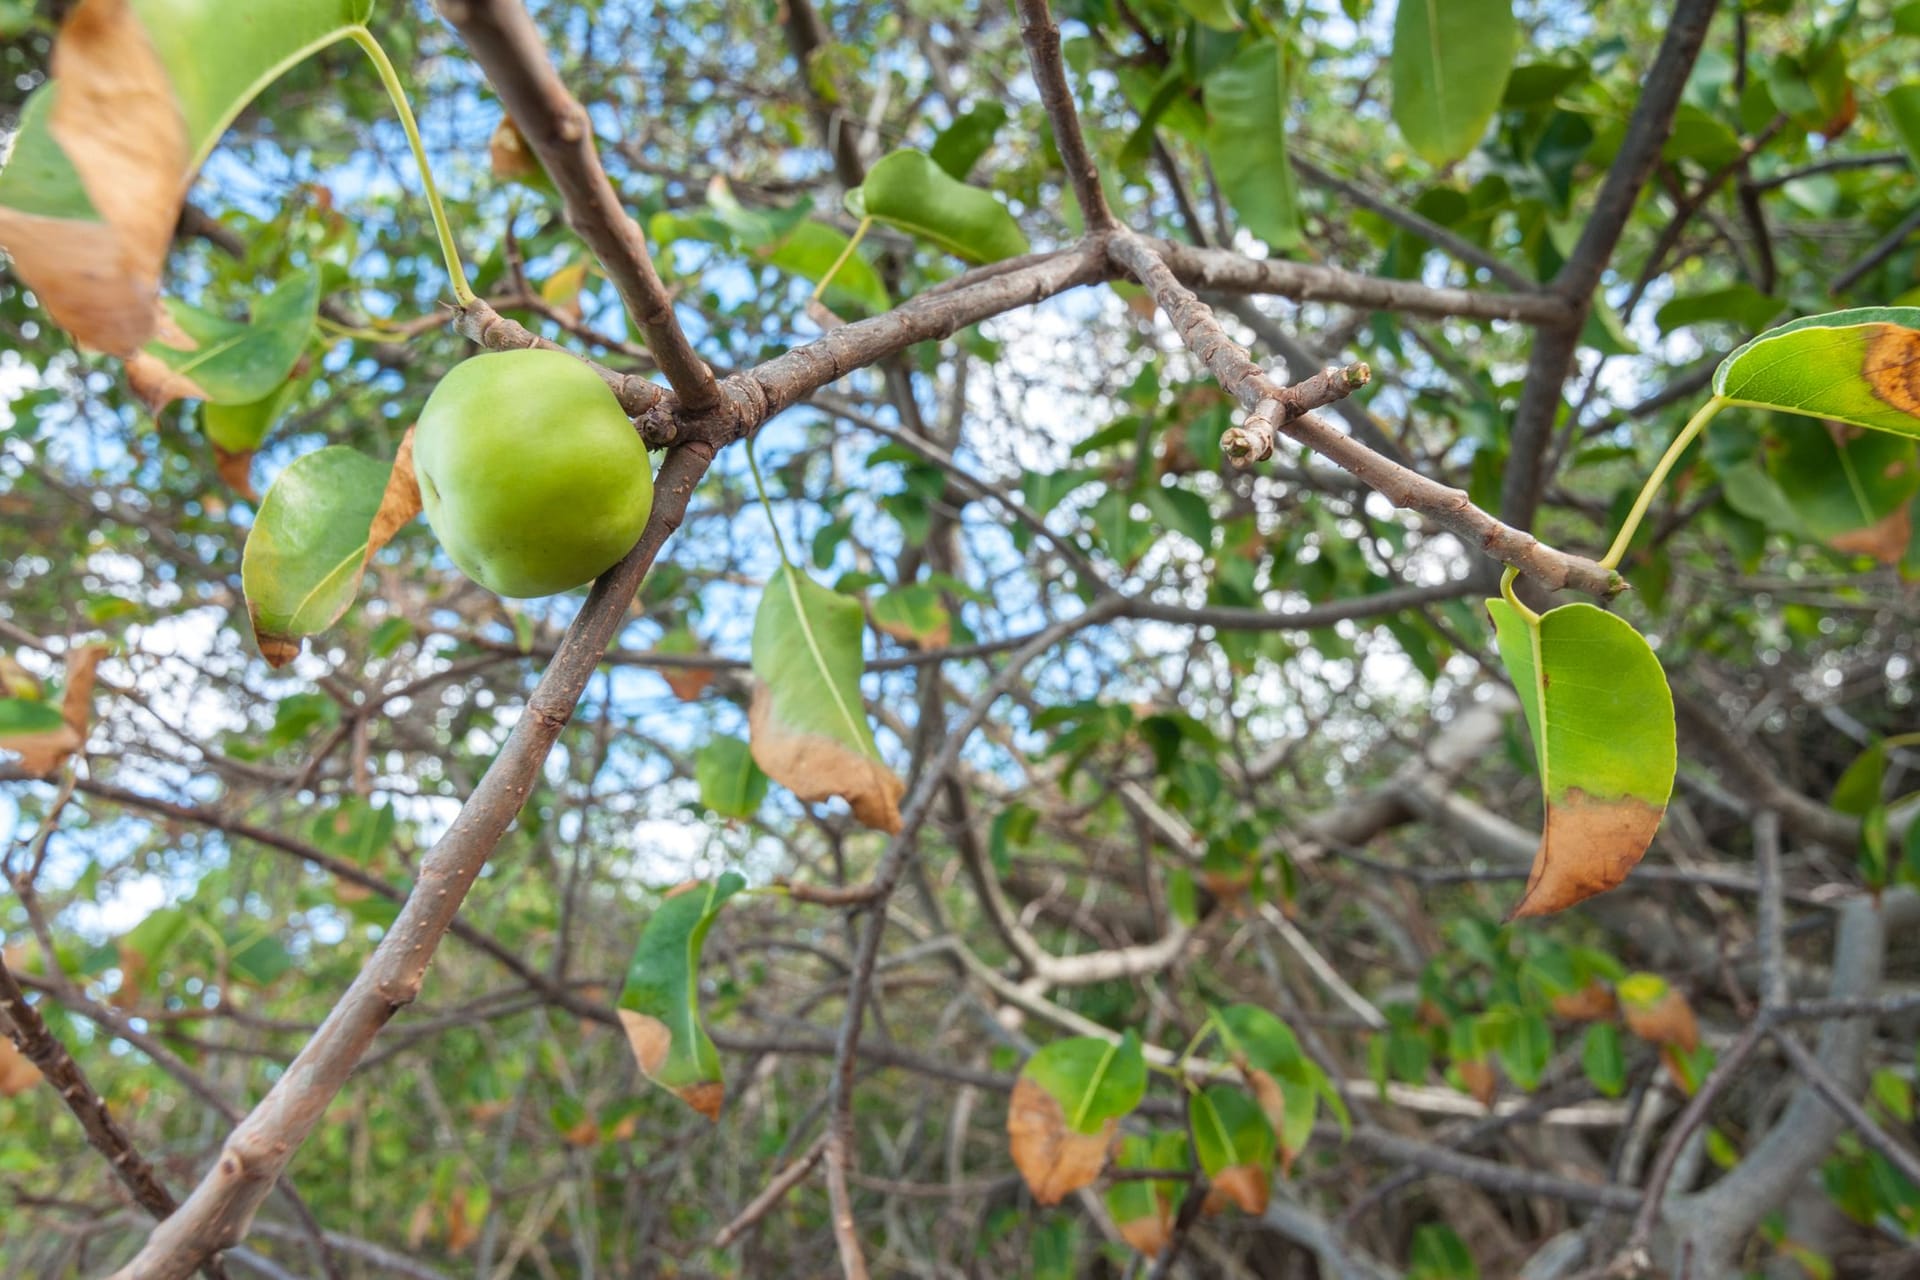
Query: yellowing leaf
point(808, 726)
point(1601, 716)
point(1658, 1013)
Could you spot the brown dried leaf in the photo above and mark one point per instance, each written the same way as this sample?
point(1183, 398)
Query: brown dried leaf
point(1885, 540)
point(687, 683)
point(649, 1038)
point(43, 753)
point(17, 1074)
point(1054, 1160)
point(1242, 1185)
point(118, 121)
point(1478, 1075)
point(706, 1098)
point(1667, 1021)
point(399, 504)
point(512, 159)
point(815, 767)
point(1149, 1235)
point(1590, 1003)
point(237, 470)
point(1589, 846)
point(158, 384)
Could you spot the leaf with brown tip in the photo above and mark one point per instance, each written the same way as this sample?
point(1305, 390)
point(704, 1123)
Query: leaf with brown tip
point(44, 736)
point(659, 1006)
point(808, 726)
point(1601, 717)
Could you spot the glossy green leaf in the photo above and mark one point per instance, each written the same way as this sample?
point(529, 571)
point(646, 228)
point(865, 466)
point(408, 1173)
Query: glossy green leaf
point(1603, 1059)
point(660, 1004)
point(908, 191)
point(1449, 71)
point(1067, 1105)
point(731, 784)
point(324, 516)
point(1601, 717)
point(226, 362)
point(809, 725)
point(1247, 142)
point(961, 144)
point(1235, 1145)
point(1860, 367)
point(143, 94)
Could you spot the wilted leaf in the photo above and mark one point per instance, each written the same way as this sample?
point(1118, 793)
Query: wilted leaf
point(323, 519)
point(1478, 1075)
point(1849, 487)
point(1601, 716)
point(561, 290)
point(809, 726)
point(660, 1004)
point(1861, 367)
point(512, 159)
point(1589, 1004)
point(687, 683)
point(1066, 1107)
point(44, 736)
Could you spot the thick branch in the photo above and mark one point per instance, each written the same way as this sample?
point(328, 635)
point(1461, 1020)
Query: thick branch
point(507, 45)
point(221, 1208)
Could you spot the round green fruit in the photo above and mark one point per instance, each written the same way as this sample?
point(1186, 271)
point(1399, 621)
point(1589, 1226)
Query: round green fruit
point(531, 475)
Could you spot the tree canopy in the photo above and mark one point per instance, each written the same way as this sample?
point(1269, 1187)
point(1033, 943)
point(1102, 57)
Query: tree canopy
point(1269, 638)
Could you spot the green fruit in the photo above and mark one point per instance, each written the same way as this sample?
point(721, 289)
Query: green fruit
point(531, 475)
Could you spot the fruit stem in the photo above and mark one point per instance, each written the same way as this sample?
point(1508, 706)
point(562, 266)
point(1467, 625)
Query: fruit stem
point(1695, 425)
point(859, 234)
point(397, 93)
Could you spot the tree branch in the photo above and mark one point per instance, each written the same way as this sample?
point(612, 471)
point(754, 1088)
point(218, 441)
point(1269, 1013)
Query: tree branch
point(1042, 36)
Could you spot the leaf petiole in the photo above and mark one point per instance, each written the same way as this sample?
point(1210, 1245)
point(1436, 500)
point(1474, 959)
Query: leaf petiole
point(397, 93)
point(1695, 425)
point(859, 234)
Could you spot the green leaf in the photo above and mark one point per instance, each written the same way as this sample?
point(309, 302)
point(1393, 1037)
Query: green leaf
point(1847, 487)
point(811, 250)
point(232, 362)
point(1603, 1059)
point(907, 190)
point(1449, 71)
point(913, 615)
point(660, 1003)
point(1860, 367)
point(1183, 511)
point(962, 143)
point(731, 784)
point(1235, 1145)
point(242, 428)
point(808, 725)
point(1439, 1254)
point(1247, 141)
point(254, 955)
point(1067, 1105)
point(1903, 109)
point(1740, 304)
point(1601, 716)
point(322, 519)
point(142, 96)
point(1094, 1080)
point(1216, 15)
